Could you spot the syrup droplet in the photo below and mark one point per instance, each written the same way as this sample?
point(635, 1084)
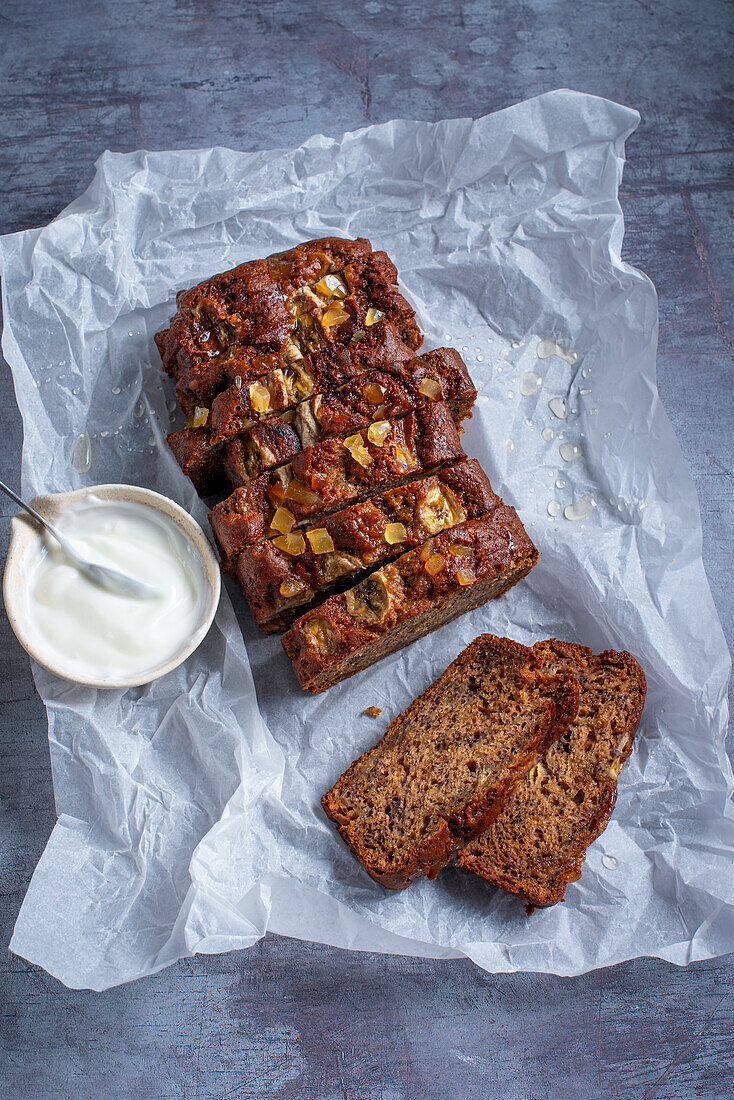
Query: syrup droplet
point(547, 434)
point(621, 505)
point(516, 344)
point(586, 372)
point(529, 422)
point(115, 390)
point(530, 383)
point(554, 508)
point(510, 394)
point(81, 455)
point(569, 451)
point(139, 408)
point(509, 446)
point(480, 359)
point(547, 348)
point(550, 473)
point(609, 862)
point(580, 508)
point(584, 392)
point(561, 483)
point(505, 353)
point(558, 407)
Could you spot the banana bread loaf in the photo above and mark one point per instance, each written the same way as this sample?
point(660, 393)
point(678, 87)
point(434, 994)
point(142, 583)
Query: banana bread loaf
point(281, 576)
point(421, 590)
point(328, 476)
point(446, 765)
point(538, 843)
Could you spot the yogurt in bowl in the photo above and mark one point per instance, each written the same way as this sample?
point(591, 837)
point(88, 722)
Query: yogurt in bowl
point(99, 638)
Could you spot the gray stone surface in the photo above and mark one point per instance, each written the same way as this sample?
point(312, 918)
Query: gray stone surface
point(288, 1019)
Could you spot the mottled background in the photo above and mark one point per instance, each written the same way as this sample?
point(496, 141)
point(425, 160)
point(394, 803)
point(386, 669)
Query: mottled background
point(289, 1019)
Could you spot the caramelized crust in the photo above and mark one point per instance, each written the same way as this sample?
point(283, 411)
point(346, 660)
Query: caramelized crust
point(421, 590)
point(538, 844)
point(446, 765)
point(279, 578)
point(327, 476)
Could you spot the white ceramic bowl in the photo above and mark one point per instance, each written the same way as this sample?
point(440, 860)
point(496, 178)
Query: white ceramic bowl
point(26, 542)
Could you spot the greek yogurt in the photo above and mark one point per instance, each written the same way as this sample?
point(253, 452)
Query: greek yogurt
point(94, 633)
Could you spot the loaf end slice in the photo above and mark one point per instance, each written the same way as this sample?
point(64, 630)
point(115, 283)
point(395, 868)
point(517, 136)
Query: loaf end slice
point(538, 844)
point(445, 766)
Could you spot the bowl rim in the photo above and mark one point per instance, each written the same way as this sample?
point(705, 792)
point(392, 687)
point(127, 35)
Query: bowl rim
point(25, 536)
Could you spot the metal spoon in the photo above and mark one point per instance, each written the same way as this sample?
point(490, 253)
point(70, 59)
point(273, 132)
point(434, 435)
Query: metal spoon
point(102, 575)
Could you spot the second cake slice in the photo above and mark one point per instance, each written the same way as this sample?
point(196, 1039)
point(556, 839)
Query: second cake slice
point(538, 843)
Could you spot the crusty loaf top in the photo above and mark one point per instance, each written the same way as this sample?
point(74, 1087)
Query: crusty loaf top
point(440, 375)
point(421, 580)
point(298, 564)
point(260, 304)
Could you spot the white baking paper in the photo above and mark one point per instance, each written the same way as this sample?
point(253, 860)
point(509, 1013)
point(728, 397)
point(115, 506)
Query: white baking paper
point(188, 822)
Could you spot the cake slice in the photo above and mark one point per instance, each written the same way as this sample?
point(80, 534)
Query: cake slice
point(446, 765)
point(281, 576)
point(330, 475)
point(538, 843)
point(449, 574)
point(243, 449)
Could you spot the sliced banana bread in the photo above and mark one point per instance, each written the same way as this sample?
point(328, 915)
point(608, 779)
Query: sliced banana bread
point(329, 475)
point(281, 576)
point(446, 765)
point(239, 443)
point(439, 375)
point(538, 843)
point(421, 590)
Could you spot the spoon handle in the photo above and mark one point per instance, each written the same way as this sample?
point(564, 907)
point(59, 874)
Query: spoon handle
point(32, 511)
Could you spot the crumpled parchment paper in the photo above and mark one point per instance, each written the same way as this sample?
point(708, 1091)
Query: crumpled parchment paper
point(188, 822)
